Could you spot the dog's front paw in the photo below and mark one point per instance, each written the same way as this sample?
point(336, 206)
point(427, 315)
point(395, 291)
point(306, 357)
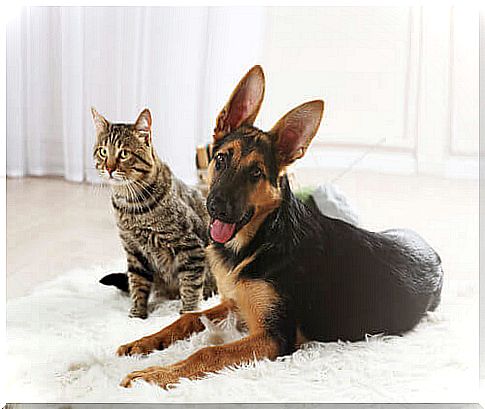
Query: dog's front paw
point(136, 312)
point(163, 377)
point(139, 347)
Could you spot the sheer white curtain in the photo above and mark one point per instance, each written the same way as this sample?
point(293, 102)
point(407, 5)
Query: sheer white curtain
point(179, 62)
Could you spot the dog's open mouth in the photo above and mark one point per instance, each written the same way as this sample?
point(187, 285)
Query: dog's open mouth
point(222, 232)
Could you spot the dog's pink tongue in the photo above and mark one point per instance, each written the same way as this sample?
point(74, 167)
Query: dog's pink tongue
point(222, 232)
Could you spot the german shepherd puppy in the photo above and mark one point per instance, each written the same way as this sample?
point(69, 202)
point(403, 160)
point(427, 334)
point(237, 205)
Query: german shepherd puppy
point(290, 273)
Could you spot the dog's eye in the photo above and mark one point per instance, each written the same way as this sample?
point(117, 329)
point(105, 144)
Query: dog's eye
point(220, 161)
point(256, 174)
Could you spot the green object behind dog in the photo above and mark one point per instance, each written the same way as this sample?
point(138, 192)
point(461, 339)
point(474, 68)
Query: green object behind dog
point(330, 201)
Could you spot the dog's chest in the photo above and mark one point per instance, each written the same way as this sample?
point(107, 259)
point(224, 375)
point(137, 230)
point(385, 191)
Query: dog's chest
point(226, 279)
point(254, 299)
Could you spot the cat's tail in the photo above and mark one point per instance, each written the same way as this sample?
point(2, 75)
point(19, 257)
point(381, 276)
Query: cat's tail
point(119, 280)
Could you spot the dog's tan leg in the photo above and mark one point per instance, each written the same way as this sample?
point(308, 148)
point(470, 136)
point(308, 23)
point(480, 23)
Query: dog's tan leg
point(209, 359)
point(256, 302)
point(186, 325)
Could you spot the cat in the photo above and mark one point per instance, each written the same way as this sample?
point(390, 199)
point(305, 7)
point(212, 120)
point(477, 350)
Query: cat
point(162, 222)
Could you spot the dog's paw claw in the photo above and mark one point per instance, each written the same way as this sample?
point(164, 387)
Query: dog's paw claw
point(126, 382)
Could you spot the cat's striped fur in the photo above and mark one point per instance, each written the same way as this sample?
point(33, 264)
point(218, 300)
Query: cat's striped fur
point(162, 222)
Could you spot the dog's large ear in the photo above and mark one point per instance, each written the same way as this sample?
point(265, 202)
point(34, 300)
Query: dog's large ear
point(143, 125)
point(100, 122)
point(295, 131)
point(243, 105)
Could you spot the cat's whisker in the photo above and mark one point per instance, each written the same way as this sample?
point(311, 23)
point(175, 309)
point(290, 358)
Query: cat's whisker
point(144, 191)
point(133, 197)
point(98, 187)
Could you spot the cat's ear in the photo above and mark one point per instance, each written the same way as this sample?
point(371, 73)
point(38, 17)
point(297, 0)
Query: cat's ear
point(243, 105)
point(143, 125)
point(295, 131)
point(100, 122)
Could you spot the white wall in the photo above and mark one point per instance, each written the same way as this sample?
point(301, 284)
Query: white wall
point(404, 78)
point(400, 83)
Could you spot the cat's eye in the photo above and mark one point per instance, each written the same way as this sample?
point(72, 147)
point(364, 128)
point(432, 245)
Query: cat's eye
point(124, 154)
point(220, 161)
point(102, 152)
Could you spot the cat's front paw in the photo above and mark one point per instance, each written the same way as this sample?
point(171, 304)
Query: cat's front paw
point(187, 308)
point(138, 313)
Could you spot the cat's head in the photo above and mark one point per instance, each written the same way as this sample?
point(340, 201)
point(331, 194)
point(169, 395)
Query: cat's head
point(123, 153)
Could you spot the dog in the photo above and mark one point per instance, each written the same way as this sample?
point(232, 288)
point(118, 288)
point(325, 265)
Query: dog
point(289, 273)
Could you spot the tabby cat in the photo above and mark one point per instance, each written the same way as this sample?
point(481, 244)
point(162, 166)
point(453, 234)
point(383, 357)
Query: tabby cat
point(162, 222)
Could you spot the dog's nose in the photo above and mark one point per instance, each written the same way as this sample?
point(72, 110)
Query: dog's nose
point(218, 207)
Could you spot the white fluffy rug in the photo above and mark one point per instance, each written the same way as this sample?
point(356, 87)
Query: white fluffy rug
point(62, 339)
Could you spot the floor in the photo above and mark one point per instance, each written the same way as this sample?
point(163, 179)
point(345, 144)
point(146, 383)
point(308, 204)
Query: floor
point(54, 226)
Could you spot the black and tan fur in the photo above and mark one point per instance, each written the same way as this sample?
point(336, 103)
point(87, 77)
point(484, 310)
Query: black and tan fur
point(161, 221)
point(290, 273)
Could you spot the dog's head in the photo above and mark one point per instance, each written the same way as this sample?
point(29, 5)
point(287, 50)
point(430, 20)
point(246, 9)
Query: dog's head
point(247, 163)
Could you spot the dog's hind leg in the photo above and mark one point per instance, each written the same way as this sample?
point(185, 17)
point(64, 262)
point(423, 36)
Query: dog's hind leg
point(186, 325)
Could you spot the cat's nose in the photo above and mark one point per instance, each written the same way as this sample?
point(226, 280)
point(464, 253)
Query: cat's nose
point(110, 171)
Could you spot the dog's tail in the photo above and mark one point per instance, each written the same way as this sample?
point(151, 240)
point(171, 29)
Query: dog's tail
point(119, 280)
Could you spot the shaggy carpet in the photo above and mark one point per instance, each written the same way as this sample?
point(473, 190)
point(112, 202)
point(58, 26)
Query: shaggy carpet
point(62, 340)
